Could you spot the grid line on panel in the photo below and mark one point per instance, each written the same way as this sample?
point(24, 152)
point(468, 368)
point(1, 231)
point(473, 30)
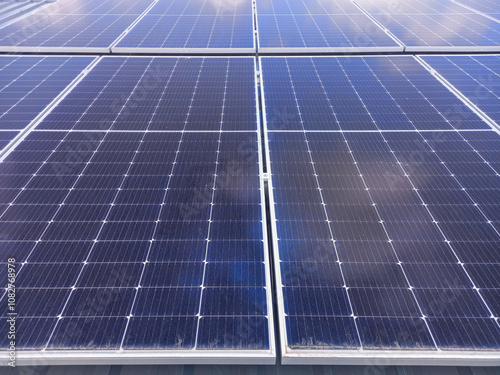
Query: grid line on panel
point(376, 209)
point(161, 208)
point(205, 260)
point(332, 237)
point(101, 226)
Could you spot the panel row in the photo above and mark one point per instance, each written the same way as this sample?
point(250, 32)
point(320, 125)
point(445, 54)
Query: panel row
point(220, 26)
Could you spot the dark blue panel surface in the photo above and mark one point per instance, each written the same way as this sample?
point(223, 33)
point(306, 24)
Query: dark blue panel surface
point(223, 30)
point(371, 93)
point(160, 94)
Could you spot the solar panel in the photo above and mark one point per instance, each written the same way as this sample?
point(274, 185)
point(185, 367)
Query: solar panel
point(436, 27)
point(321, 26)
point(476, 77)
point(384, 236)
point(193, 27)
point(148, 243)
point(29, 84)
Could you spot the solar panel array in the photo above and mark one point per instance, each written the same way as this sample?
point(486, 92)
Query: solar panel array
point(154, 218)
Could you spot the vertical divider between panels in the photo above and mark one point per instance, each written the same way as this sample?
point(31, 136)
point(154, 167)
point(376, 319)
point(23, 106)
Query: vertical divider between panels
point(266, 220)
point(474, 108)
point(274, 261)
point(38, 119)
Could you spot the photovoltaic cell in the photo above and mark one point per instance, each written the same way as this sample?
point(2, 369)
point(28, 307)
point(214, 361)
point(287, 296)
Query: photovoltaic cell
point(384, 237)
point(477, 77)
point(193, 26)
point(323, 26)
point(142, 240)
point(29, 84)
